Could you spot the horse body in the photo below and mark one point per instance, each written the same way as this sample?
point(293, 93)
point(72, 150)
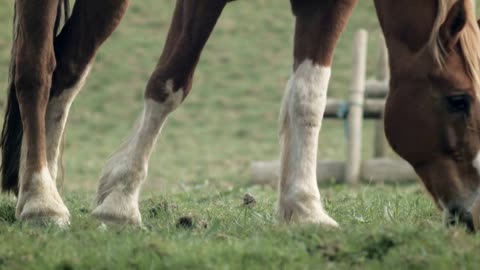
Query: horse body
point(48, 75)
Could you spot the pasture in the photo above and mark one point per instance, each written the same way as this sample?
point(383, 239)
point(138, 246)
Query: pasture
point(199, 171)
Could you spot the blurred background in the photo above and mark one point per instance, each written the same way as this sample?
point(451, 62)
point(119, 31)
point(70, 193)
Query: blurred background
point(230, 117)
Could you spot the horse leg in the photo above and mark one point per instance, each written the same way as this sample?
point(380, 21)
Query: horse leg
point(38, 198)
point(318, 27)
point(75, 49)
point(118, 191)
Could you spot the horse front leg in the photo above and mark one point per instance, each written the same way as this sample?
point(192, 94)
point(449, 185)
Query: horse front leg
point(38, 199)
point(117, 195)
point(318, 26)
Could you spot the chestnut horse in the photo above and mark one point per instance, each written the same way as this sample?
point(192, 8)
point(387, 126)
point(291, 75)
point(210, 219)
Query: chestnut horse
point(432, 114)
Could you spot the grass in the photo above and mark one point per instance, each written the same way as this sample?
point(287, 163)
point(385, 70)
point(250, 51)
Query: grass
point(201, 163)
point(382, 227)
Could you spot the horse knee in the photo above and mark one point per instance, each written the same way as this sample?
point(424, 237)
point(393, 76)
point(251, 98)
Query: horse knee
point(67, 75)
point(33, 79)
point(32, 87)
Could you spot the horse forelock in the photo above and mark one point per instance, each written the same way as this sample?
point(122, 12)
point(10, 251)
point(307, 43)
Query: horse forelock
point(469, 40)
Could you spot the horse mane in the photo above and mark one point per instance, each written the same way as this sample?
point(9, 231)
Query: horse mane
point(469, 40)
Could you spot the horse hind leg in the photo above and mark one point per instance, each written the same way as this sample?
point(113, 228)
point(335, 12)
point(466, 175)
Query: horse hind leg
point(75, 49)
point(116, 200)
point(303, 106)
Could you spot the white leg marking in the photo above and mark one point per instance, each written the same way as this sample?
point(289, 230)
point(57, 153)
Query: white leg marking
point(301, 117)
point(476, 165)
point(476, 162)
point(117, 195)
point(39, 201)
point(56, 119)
point(475, 208)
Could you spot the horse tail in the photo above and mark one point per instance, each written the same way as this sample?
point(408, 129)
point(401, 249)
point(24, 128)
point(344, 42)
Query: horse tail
point(12, 131)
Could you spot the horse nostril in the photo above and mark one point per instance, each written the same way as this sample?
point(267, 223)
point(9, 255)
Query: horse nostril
point(460, 216)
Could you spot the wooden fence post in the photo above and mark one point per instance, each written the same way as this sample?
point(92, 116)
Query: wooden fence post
point(383, 75)
point(355, 115)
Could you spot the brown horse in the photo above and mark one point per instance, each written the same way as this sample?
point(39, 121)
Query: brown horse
point(432, 114)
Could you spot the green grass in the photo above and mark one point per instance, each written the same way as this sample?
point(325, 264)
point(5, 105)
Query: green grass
point(382, 227)
point(201, 164)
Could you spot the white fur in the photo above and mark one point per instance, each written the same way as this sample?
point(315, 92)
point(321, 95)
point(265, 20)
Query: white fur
point(301, 118)
point(476, 162)
point(39, 200)
point(117, 194)
point(56, 119)
point(475, 205)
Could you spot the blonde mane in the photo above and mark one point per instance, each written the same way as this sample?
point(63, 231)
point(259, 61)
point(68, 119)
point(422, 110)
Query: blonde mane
point(469, 40)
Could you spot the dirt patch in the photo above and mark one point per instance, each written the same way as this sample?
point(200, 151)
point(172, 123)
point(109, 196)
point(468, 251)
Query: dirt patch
point(373, 248)
point(65, 265)
point(191, 222)
point(331, 252)
point(249, 200)
point(186, 222)
point(377, 248)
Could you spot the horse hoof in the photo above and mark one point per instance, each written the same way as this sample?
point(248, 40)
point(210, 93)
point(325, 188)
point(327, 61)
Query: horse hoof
point(108, 220)
point(43, 211)
point(118, 209)
point(46, 221)
point(306, 213)
point(45, 217)
point(326, 220)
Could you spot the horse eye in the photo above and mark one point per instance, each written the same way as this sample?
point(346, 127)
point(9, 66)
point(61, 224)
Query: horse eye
point(458, 103)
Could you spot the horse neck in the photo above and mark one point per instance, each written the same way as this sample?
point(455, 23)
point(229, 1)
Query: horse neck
point(409, 22)
point(407, 27)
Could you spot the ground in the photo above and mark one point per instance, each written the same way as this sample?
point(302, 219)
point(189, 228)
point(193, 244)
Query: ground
point(200, 170)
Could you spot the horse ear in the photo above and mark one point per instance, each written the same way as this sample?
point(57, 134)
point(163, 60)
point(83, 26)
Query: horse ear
point(453, 25)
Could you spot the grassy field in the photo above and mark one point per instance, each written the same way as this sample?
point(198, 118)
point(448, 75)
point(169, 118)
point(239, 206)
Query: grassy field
point(200, 168)
point(382, 228)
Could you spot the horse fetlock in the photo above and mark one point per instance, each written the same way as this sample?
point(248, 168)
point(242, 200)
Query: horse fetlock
point(303, 207)
point(116, 200)
point(123, 175)
point(41, 203)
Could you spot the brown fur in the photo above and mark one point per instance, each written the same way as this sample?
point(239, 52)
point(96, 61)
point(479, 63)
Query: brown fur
point(440, 144)
point(72, 54)
point(433, 51)
point(12, 131)
point(191, 26)
point(318, 27)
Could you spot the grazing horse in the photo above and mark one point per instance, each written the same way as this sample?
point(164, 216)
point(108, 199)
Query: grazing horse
point(432, 113)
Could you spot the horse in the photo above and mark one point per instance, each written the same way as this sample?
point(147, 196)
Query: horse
point(432, 113)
